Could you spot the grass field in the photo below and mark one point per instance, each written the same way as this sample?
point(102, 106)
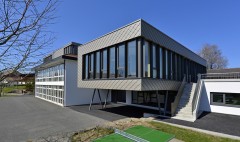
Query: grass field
point(11, 88)
point(189, 135)
point(113, 138)
point(145, 133)
point(99, 134)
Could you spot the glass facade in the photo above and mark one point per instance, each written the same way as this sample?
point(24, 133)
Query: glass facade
point(97, 61)
point(51, 93)
point(146, 59)
point(150, 98)
point(104, 64)
point(154, 61)
point(91, 66)
point(132, 56)
point(125, 59)
point(166, 64)
point(160, 63)
point(86, 66)
point(55, 73)
point(121, 61)
point(112, 62)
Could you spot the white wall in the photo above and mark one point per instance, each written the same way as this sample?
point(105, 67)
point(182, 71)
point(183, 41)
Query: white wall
point(226, 86)
point(75, 95)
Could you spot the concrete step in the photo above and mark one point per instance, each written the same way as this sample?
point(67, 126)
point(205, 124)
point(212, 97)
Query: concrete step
point(191, 119)
point(184, 108)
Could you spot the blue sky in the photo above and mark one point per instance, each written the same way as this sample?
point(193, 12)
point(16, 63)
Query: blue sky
point(192, 23)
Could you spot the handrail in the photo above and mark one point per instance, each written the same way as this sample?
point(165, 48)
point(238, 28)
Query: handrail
point(230, 75)
point(196, 94)
point(178, 97)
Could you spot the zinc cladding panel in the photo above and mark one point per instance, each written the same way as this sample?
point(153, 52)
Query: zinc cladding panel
point(127, 32)
point(57, 53)
point(132, 84)
point(153, 34)
point(158, 84)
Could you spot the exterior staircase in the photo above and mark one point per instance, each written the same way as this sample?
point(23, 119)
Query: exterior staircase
point(184, 108)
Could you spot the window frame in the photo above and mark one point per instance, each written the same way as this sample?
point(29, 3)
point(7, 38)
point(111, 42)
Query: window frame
point(224, 100)
point(127, 58)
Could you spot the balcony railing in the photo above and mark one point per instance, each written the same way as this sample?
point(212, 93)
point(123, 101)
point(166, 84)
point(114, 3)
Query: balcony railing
point(233, 75)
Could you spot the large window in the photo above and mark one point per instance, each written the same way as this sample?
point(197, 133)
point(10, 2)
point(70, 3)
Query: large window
point(97, 61)
point(146, 59)
point(86, 66)
point(112, 62)
point(175, 67)
point(104, 63)
point(160, 63)
point(121, 61)
point(166, 64)
point(55, 73)
point(226, 99)
point(147, 98)
point(127, 60)
point(91, 66)
point(132, 56)
point(154, 61)
point(52, 93)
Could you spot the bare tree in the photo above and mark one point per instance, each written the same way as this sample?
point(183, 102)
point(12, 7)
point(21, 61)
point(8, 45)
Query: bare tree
point(24, 34)
point(213, 55)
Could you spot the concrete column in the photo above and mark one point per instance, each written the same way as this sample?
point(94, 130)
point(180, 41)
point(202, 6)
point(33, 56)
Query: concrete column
point(128, 97)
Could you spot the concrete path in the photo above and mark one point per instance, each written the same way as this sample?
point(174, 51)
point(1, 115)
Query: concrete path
point(221, 123)
point(26, 117)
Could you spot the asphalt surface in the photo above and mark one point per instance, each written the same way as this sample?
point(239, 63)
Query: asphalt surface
point(222, 123)
point(26, 117)
point(113, 111)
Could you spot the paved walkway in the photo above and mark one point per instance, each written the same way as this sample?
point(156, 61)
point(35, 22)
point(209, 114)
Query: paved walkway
point(26, 117)
point(221, 123)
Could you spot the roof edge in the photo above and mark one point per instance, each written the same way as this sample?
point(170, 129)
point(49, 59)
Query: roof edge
point(170, 38)
point(111, 32)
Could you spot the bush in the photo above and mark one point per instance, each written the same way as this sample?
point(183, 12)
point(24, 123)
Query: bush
point(29, 87)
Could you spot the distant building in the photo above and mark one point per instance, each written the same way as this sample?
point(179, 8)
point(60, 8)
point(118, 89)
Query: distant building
point(17, 78)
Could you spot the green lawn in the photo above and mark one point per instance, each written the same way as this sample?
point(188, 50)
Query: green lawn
point(113, 138)
point(149, 134)
point(11, 88)
point(189, 135)
point(145, 133)
point(165, 130)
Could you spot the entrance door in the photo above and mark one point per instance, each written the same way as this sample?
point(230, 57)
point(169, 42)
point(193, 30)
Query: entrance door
point(118, 96)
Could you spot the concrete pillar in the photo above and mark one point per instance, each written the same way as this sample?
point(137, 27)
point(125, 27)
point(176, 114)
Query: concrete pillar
point(128, 97)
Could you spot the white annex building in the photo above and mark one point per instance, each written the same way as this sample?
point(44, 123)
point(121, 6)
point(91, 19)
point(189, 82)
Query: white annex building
point(220, 91)
point(56, 78)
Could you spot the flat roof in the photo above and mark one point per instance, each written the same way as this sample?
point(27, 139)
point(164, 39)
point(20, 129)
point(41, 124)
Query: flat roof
point(228, 70)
